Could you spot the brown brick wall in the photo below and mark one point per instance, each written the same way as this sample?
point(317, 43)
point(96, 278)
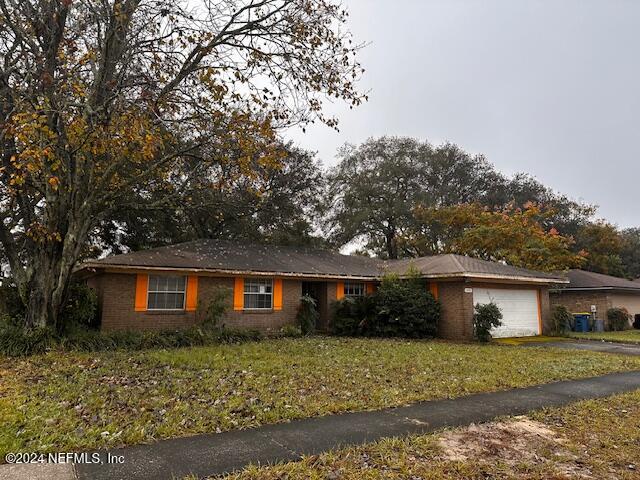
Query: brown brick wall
point(545, 310)
point(116, 292)
point(456, 319)
point(326, 310)
point(580, 302)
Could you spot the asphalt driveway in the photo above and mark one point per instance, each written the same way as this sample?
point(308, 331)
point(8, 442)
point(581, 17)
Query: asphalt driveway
point(591, 345)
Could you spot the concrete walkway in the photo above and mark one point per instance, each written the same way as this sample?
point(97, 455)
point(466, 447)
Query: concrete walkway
point(204, 455)
point(591, 345)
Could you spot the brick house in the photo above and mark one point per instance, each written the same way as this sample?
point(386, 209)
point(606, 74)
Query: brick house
point(170, 287)
point(589, 290)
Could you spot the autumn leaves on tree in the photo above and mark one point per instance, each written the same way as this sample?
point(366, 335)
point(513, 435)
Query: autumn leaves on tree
point(101, 102)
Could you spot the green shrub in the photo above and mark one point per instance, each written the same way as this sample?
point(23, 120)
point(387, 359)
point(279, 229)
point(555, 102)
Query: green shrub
point(216, 307)
point(618, 319)
point(404, 308)
point(86, 340)
point(290, 331)
point(79, 311)
point(351, 315)
point(561, 320)
point(81, 307)
point(17, 342)
point(400, 307)
point(10, 303)
point(485, 318)
point(307, 315)
point(229, 335)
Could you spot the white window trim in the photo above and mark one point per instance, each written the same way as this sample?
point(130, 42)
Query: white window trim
point(244, 293)
point(184, 295)
point(364, 289)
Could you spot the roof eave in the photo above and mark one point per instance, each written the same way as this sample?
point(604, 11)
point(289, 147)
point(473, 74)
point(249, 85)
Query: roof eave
point(221, 271)
point(491, 276)
point(591, 289)
point(461, 275)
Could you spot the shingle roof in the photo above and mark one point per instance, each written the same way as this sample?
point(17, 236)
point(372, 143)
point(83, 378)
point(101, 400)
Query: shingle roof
point(452, 265)
point(583, 280)
point(229, 256)
point(236, 257)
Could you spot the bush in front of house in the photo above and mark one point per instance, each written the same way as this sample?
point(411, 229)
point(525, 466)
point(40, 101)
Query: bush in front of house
point(486, 316)
point(16, 341)
point(400, 307)
point(81, 307)
point(216, 307)
point(11, 306)
point(618, 319)
point(307, 315)
point(561, 320)
point(351, 315)
point(287, 331)
point(80, 310)
point(404, 308)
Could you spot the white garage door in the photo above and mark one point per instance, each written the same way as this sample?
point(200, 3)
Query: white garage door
point(519, 310)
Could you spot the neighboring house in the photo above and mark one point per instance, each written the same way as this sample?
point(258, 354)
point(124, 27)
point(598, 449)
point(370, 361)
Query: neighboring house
point(171, 286)
point(587, 290)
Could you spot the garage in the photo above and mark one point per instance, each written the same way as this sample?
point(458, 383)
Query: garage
point(520, 310)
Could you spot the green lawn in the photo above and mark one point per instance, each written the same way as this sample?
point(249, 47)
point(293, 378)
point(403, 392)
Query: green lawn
point(626, 336)
point(61, 402)
point(588, 440)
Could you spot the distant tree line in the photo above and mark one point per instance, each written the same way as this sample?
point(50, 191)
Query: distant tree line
point(391, 197)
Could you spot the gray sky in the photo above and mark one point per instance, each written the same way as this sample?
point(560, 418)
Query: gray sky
point(551, 88)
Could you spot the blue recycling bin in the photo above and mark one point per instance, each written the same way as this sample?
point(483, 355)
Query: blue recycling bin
point(581, 322)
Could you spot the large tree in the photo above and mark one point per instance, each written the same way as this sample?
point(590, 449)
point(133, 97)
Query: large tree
point(603, 244)
point(516, 236)
point(372, 192)
point(101, 98)
point(278, 203)
point(376, 186)
point(630, 252)
point(562, 213)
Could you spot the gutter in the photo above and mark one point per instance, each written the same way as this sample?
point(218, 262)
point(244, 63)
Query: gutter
point(597, 289)
point(253, 273)
point(461, 275)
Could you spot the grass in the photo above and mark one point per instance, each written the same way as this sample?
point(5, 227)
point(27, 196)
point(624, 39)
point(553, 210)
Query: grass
point(588, 439)
point(626, 336)
point(79, 401)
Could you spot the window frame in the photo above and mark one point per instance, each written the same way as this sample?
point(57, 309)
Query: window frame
point(248, 280)
point(184, 294)
point(364, 289)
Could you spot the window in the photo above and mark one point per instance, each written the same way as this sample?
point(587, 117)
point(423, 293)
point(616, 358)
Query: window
point(258, 293)
point(354, 289)
point(166, 293)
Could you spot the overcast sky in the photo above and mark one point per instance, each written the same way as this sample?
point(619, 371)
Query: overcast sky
point(551, 88)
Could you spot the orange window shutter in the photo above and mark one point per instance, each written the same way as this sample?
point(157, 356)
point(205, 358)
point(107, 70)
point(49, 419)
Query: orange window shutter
point(192, 293)
point(142, 284)
point(371, 287)
point(238, 293)
point(433, 288)
point(339, 290)
point(277, 294)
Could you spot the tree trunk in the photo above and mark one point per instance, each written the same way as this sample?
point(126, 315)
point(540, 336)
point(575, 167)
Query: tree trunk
point(45, 291)
point(38, 303)
point(392, 245)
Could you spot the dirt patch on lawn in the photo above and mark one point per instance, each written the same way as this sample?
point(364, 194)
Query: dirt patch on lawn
point(514, 442)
